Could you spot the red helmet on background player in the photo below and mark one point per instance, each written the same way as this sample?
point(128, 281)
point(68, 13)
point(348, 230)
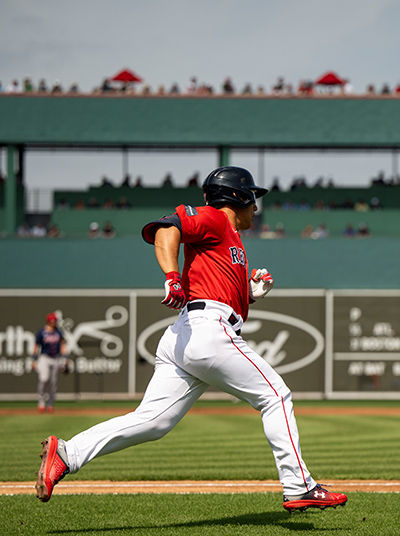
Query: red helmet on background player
point(51, 317)
point(231, 185)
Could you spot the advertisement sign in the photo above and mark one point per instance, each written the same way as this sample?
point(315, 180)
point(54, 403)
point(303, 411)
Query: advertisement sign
point(286, 330)
point(323, 343)
point(366, 342)
point(96, 330)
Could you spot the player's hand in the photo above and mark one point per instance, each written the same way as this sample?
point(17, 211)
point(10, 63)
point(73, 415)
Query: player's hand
point(260, 284)
point(174, 294)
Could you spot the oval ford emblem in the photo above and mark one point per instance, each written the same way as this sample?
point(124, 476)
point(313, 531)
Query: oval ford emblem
point(273, 351)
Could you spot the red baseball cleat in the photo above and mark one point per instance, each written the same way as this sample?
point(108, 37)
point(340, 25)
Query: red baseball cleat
point(318, 497)
point(52, 469)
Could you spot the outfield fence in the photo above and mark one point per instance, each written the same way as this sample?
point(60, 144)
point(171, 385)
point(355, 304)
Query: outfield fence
point(325, 343)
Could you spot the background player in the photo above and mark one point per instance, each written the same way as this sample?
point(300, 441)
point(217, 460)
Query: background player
point(49, 356)
point(203, 347)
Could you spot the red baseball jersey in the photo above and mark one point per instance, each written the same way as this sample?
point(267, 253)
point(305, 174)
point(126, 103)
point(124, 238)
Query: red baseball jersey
point(215, 265)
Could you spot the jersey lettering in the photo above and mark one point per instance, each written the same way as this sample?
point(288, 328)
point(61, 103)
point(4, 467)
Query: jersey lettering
point(237, 255)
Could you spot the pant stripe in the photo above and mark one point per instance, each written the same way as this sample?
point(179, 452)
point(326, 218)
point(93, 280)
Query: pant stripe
point(294, 448)
point(283, 405)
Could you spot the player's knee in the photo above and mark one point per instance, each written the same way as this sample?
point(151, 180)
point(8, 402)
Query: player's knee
point(160, 428)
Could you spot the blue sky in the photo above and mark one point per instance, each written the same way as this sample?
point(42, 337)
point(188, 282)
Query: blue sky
point(255, 41)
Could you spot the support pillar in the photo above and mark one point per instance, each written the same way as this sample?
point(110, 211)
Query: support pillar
point(223, 155)
point(10, 207)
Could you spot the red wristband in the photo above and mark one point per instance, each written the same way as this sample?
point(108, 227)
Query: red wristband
point(173, 275)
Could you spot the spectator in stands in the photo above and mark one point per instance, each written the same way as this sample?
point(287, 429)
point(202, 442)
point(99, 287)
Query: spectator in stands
point(167, 180)
point(306, 87)
point(80, 205)
point(371, 89)
point(320, 232)
point(27, 86)
point(14, 87)
point(260, 91)
point(127, 181)
point(375, 203)
point(106, 86)
point(361, 206)
point(174, 89)
point(280, 230)
point(109, 203)
point(74, 88)
point(108, 230)
point(57, 87)
point(161, 91)
point(53, 232)
point(363, 231)
point(63, 203)
point(93, 203)
point(42, 87)
point(348, 204)
point(307, 231)
point(279, 86)
point(123, 203)
point(94, 230)
point(23, 230)
point(247, 90)
point(319, 205)
point(146, 90)
point(349, 231)
point(227, 86)
point(266, 233)
point(138, 182)
point(275, 187)
point(192, 89)
point(304, 205)
point(38, 230)
point(105, 181)
point(385, 89)
point(194, 180)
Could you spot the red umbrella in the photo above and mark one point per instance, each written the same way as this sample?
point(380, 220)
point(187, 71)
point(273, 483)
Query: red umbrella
point(126, 76)
point(330, 79)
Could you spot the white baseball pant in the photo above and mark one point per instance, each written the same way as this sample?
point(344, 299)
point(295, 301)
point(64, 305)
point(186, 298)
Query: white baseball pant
point(48, 369)
point(199, 350)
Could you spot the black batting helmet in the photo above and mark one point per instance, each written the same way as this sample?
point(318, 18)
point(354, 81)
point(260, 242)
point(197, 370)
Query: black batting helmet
point(231, 186)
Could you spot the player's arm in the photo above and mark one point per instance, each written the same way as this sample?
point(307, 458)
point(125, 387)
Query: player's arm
point(35, 354)
point(166, 244)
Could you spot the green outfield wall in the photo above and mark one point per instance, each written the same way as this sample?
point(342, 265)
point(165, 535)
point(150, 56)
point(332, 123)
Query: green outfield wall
point(128, 262)
point(209, 122)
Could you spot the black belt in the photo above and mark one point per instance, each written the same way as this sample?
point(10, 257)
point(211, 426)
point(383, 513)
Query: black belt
point(193, 306)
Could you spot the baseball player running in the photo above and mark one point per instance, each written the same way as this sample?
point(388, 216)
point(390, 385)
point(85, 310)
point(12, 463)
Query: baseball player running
point(49, 355)
point(204, 346)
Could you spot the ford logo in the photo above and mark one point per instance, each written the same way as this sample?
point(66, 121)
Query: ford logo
point(273, 351)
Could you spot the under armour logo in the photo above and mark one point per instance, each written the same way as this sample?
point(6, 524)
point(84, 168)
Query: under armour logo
point(320, 494)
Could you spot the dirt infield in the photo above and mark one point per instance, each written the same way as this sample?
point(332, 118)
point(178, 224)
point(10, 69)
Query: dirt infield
point(98, 487)
point(234, 410)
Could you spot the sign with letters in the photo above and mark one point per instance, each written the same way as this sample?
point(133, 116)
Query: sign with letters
point(324, 343)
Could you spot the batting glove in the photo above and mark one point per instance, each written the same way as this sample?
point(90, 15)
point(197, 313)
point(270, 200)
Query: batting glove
point(260, 284)
point(174, 294)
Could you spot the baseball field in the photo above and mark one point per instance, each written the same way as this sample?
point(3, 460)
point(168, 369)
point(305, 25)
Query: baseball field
point(214, 474)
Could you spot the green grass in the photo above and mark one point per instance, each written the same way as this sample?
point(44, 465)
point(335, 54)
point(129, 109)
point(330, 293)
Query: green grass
point(205, 447)
point(214, 447)
point(196, 515)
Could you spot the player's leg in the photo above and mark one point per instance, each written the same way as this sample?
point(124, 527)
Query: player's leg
point(169, 395)
point(221, 358)
point(43, 372)
point(53, 382)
